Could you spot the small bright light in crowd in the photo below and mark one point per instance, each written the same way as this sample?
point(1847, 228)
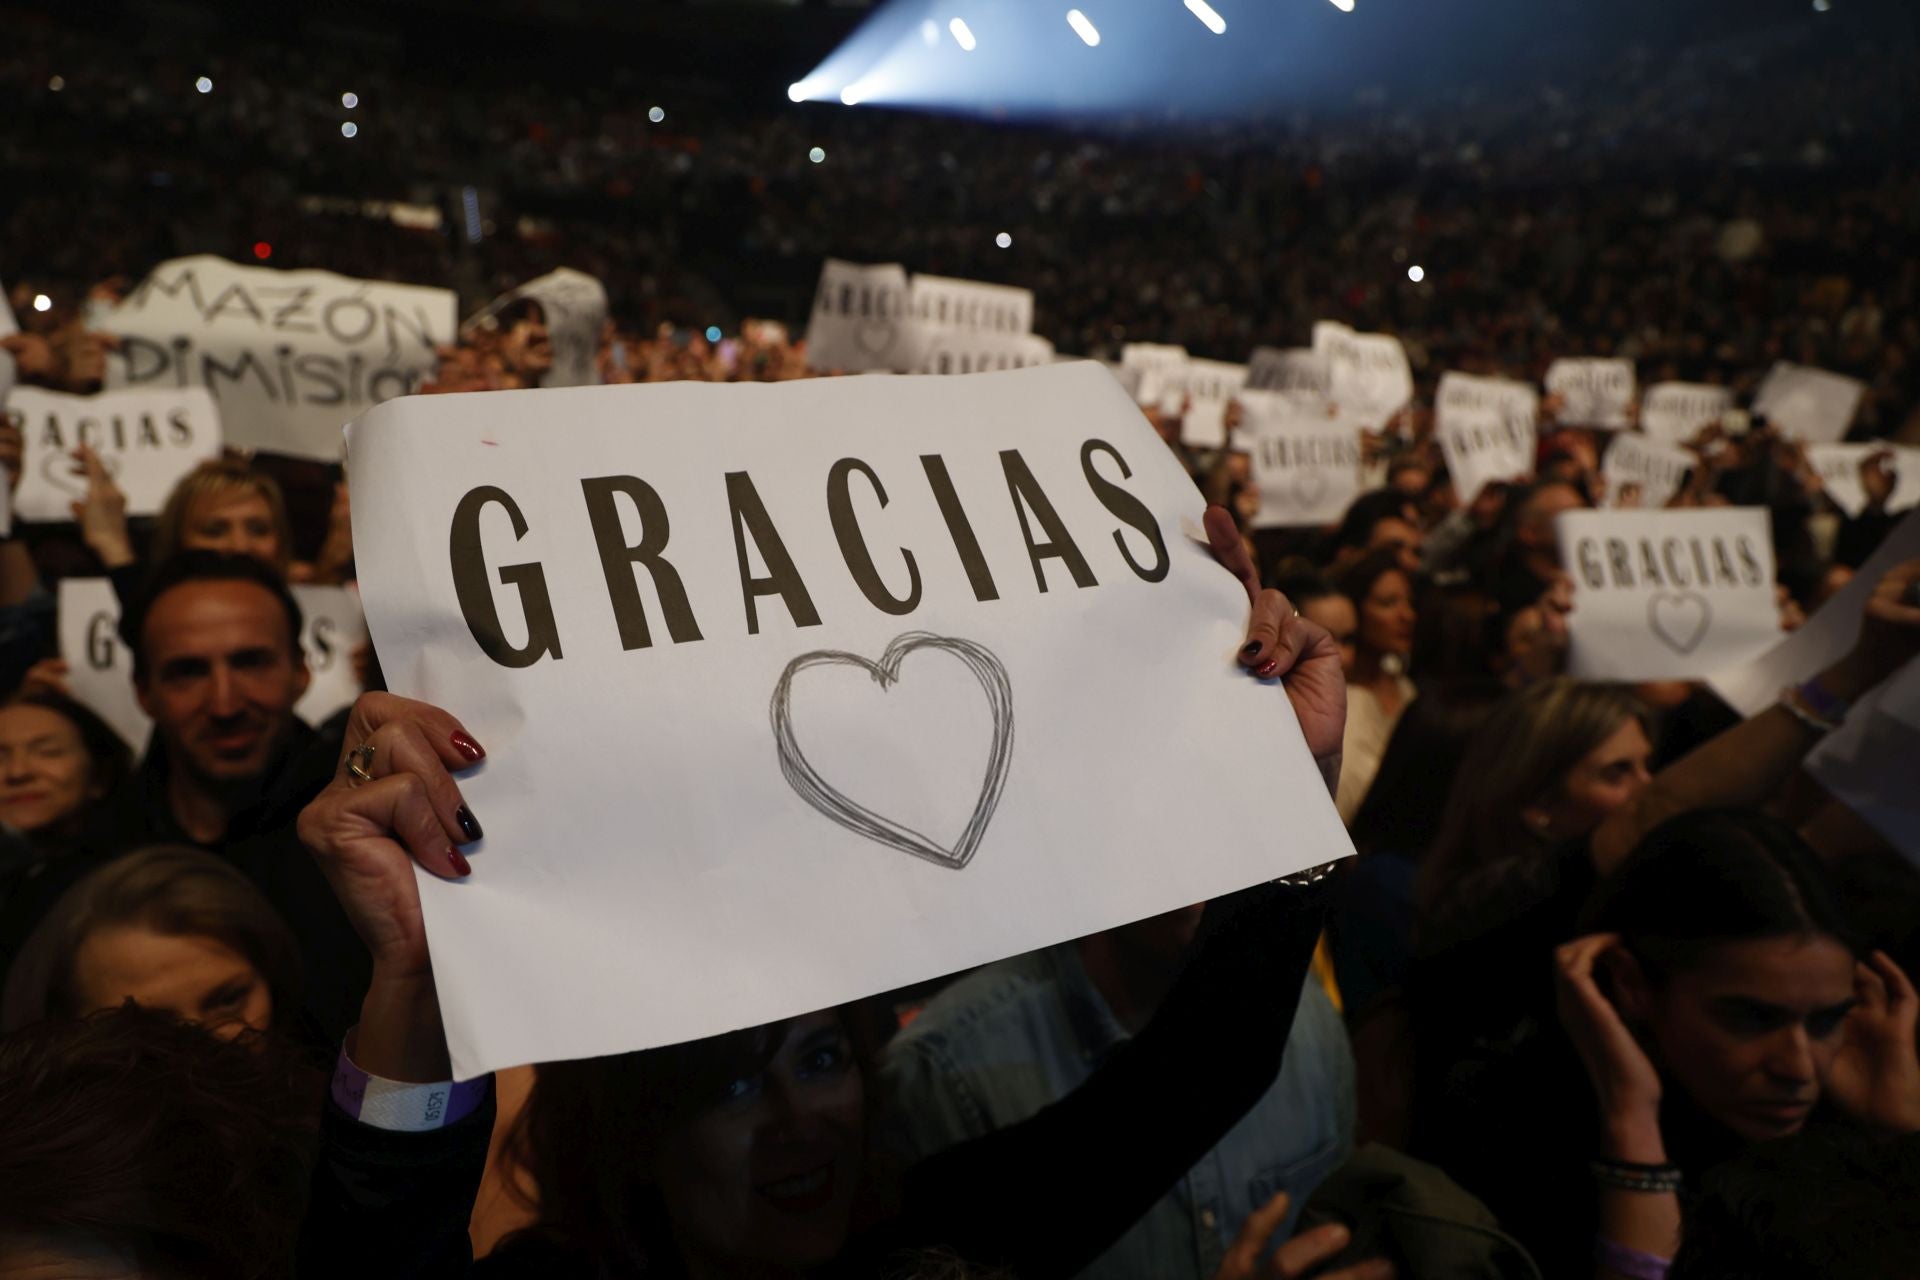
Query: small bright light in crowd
point(656, 114)
point(41, 302)
point(1416, 273)
point(1004, 240)
point(1344, 6)
point(929, 33)
point(962, 34)
point(262, 250)
point(713, 333)
point(348, 129)
point(1083, 28)
point(1821, 6)
point(795, 93)
point(203, 84)
point(349, 100)
point(57, 83)
point(1205, 12)
point(817, 154)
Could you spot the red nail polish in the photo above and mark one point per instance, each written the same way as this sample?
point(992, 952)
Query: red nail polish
point(461, 867)
point(467, 747)
point(1268, 669)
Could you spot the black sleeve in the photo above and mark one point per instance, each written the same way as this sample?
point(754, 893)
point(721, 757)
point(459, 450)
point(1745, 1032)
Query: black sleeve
point(393, 1204)
point(1861, 536)
point(127, 581)
point(1049, 1195)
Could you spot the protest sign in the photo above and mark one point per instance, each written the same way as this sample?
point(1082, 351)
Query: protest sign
point(1290, 369)
point(1644, 473)
point(1838, 466)
point(749, 681)
point(1467, 395)
point(1157, 364)
point(943, 303)
point(100, 666)
point(1808, 404)
point(574, 306)
point(1486, 445)
point(1205, 388)
point(1674, 412)
point(288, 355)
point(1305, 465)
point(1368, 372)
point(1594, 392)
point(859, 319)
point(982, 351)
point(1822, 639)
point(146, 440)
point(1668, 595)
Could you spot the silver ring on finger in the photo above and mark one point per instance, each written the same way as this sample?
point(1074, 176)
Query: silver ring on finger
point(360, 764)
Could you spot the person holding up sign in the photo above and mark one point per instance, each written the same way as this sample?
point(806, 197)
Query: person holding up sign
point(747, 1152)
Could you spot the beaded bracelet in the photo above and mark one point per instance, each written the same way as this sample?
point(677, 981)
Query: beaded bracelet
point(1622, 1175)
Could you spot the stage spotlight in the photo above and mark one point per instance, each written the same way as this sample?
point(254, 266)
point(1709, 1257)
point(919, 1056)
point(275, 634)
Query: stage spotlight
point(850, 96)
point(1416, 273)
point(1344, 6)
point(1821, 6)
point(795, 93)
point(962, 34)
point(929, 33)
point(1205, 12)
point(1083, 28)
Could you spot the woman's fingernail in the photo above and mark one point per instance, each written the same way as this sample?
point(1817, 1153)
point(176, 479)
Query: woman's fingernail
point(1250, 648)
point(469, 825)
point(461, 867)
point(467, 747)
point(1268, 669)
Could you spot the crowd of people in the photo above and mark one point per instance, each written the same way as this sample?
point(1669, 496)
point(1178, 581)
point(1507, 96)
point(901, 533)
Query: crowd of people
point(1613, 988)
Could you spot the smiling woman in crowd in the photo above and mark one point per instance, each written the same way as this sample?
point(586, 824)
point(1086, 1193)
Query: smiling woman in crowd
point(1378, 689)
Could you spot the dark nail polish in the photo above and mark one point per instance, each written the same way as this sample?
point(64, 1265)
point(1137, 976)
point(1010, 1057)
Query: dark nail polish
point(1250, 648)
point(467, 747)
point(469, 825)
point(461, 867)
point(1268, 669)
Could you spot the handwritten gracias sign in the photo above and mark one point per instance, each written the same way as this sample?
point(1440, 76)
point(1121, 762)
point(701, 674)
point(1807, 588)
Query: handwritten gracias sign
point(799, 692)
point(1668, 595)
point(146, 440)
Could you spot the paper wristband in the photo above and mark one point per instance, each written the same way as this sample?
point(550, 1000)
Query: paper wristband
point(403, 1108)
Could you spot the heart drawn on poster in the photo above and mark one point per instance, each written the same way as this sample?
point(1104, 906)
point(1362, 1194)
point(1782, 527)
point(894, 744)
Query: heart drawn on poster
point(875, 337)
point(857, 818)
point(1679, 619)
point(1309, 487)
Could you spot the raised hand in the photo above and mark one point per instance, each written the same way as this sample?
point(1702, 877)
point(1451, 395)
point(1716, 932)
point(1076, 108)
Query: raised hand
point(1875, 1076)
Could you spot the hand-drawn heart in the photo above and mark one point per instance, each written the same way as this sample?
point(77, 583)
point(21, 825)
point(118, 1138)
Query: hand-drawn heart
point(821, 794)
point(875, 337)
point(59, 469)
point(1309, 487)
point(1680, 619)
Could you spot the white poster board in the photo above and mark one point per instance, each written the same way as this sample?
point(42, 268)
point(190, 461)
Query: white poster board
point(100, 666)
point(1674, 412)
point(982, 351)
point(1468, 396)
point(574, 306)
point(859, 321)
point(794, 748)
point(940, 302)
point(1156, 363)
point(1595, 391)
point(1297, 369)
point(1643, 474)
point(146, 440)
point(1486, 445)
point(1369, 374)
point(1838, 466)
point(1808, 404)
point(1668, 595)
point(1306, 463)
point(289, 356)
point(1205, 389)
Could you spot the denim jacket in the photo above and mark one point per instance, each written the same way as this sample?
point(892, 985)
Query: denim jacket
point(1011, 1038)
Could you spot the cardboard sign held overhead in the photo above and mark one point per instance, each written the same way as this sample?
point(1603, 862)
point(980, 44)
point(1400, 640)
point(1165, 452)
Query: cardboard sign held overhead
point(860, 320)
point(1668, 595)
point(289, 356)
point(1674, 412)
point(146, 440)
point(1642, 473)
point(574, 306)
point(1295, 369)
point(1838, 466)
point(787, 695)
point(1369, 374)
point(1305, 464)
point(970, 351)
point(1595, 392)
point(1808, 404)
point(1486, 445)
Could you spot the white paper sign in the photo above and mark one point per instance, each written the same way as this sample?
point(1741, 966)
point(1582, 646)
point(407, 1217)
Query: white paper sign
point(1305, 465)
point(1290, 369)
point(1205, 388)
point(288, 355)
point(1822, 639)
point(1668, 595)
point(146, 440)
point(1486, 445)
point(1157, 364)
point(943, 303)
point(1644, 474)
point(1468, 396)
point(1596, 392)
point(574, 306)
point(859, 321)
point(1371, 380)
point(1838, 466)
point(983, 351)
point(100, 666)
point(1808, 404)
point(850, 738)
point(1674, 412)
